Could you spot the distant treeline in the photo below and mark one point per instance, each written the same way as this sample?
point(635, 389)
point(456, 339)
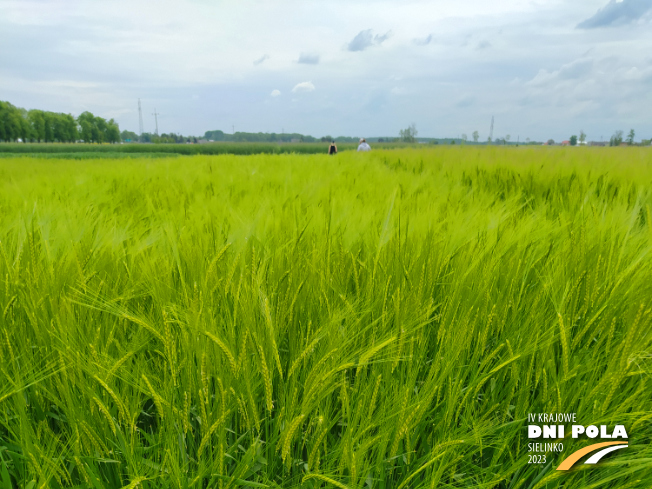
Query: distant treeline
point(238, 137)
point(18, 124)
point(266, 137)
point(146, 137)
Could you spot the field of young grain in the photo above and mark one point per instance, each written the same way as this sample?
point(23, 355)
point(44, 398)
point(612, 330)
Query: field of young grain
point(382, 320)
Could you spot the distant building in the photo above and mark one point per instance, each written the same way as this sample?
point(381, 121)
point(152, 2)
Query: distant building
point(565, 143)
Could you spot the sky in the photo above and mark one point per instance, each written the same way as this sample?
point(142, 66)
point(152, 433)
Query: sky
point(542, 69)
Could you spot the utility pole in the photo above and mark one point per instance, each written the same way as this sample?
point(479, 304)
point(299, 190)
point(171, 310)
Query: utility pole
point(232, 128)
point(156, 114)
point(140, 120)
point(491, 129)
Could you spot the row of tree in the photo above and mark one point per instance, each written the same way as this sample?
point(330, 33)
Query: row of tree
point(146, 137)
point(574, 139)
point(49, 127)
point(617, 138)
point(273, 137)
point(257, 137)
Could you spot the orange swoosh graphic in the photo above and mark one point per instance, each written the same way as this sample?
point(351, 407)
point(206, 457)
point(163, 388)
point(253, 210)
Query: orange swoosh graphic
point(575, 456)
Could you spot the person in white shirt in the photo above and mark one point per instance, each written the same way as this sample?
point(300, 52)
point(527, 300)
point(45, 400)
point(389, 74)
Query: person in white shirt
point(363, 146)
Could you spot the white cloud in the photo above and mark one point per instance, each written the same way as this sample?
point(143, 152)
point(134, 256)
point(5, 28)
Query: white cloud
point(465, 101)
point(262, 59)
point(303, 87)
point(600, 94)
point(365, 39)
point(422, 41)
point(570, 71)
point(275, 93)
point(308, 59)
point(617, 13)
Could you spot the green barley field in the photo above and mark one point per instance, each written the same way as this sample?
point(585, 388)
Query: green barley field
point(384, 320)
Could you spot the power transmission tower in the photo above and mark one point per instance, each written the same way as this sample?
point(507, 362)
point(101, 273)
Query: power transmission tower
point(156, 114)
point(491, 129)
point(140, 120)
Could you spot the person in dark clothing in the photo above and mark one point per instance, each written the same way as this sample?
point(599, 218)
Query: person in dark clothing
point(332, 149)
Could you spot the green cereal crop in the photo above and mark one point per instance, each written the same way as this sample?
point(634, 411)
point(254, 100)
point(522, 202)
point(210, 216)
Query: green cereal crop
point(381, 320)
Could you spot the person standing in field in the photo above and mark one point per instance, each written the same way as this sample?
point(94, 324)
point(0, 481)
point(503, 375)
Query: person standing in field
point(332, 149)
point(363, 146)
